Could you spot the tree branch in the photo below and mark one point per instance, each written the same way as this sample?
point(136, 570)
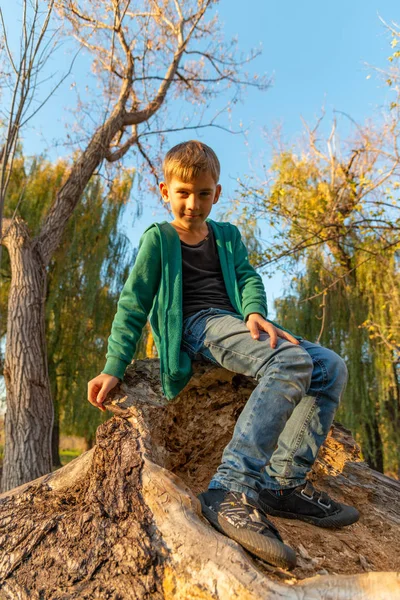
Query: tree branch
point(118, 154)
point(134, 118)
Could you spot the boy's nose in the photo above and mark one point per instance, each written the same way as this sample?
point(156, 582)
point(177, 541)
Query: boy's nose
point(191, 203)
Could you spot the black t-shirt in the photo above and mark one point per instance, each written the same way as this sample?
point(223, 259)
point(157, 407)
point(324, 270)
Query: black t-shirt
point(202, 279)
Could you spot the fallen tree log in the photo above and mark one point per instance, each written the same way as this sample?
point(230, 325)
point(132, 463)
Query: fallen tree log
point(123, 521)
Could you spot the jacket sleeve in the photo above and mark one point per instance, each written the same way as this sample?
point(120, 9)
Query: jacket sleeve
point(251, 288)
point(134, 305)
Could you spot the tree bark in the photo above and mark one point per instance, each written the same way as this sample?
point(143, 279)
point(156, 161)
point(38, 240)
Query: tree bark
point(55, 441)
point(29, 417)
point(122, 520)
point(55, 434)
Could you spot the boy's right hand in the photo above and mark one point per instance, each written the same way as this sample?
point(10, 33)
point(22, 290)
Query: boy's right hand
point(99, 387)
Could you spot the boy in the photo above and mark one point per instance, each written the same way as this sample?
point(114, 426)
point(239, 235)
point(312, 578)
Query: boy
point(207, 302)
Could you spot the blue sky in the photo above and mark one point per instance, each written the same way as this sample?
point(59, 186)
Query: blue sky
point(317, 55)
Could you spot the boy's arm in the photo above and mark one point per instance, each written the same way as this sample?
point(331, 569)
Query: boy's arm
point(134, 305)
point(251, 287)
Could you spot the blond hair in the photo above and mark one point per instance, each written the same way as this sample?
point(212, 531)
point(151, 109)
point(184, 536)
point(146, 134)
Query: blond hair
point(187, 160)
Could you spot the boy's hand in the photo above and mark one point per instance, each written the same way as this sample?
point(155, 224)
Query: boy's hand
point(99, 387)
point(257, 323)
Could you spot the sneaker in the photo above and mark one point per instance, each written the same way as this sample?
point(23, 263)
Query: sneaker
point(307, 504)
point(235, 515)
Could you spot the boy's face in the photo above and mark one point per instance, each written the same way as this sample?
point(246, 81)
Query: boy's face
point(191, 203)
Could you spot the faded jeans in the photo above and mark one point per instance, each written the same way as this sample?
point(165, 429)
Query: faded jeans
point(288, 415)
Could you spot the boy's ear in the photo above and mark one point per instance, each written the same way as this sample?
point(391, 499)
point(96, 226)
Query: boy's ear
point(218, 191)
point(164, 191)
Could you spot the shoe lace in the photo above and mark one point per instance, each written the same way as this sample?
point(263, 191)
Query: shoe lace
point(239, 511)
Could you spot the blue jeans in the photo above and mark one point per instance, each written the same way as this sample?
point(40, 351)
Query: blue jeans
point(288, 415)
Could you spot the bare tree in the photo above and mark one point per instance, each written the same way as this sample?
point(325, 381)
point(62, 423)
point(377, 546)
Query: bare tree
point(20, 81)
point(144, 53)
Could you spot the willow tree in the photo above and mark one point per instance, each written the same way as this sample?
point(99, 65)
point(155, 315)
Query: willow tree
point(338, 317)
point(338, 227)
point(146, 55)
point(333, 215)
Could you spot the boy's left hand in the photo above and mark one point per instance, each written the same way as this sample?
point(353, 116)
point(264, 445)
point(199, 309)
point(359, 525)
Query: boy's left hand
point(256, 323)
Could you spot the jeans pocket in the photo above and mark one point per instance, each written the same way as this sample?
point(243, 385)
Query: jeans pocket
point(194, 325)
point(192, 341)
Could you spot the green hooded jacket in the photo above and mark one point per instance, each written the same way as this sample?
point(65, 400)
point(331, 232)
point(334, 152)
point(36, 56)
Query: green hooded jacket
point(154, 289)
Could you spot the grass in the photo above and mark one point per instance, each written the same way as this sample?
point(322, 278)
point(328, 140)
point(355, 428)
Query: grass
point(65, 455)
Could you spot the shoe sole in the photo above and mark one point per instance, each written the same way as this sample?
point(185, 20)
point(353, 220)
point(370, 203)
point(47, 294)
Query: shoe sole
point(268, 549)
point(342, 519)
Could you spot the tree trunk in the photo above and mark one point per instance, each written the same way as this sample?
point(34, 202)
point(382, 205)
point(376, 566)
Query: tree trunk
point(29, 423)
point(89, 442)
point(29, 417)
point(55, 435)
point(55, 440)
point(122, 520)
point(374, 452)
